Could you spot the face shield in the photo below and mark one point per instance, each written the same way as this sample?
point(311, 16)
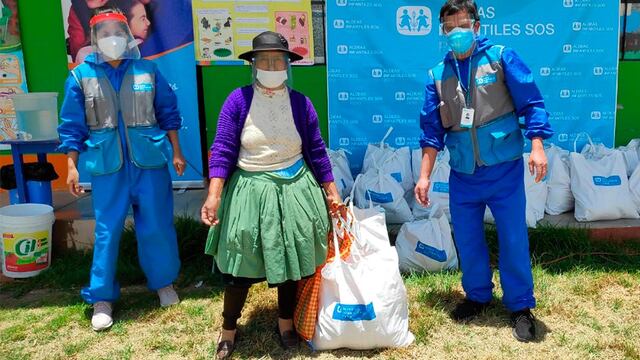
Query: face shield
point(271, 69)
point(111, 38)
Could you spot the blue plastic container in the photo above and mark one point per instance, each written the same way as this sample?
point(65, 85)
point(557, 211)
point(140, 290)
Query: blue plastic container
point(39, 193)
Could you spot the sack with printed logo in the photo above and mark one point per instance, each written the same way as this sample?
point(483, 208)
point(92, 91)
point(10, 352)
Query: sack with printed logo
point(394, 162)
point(634, 187)
point(363, 301)
point(536, 195)
point(438, 189)
point(379, 188)
point(536, 198)
point(559, 196)
point(600, 185)
point(416, 164)
point(305, 315)
point(427, 244)
point(631, 154)
point(341, 171)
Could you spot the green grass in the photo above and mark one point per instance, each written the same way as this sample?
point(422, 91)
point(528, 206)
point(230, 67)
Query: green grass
point(587, 296)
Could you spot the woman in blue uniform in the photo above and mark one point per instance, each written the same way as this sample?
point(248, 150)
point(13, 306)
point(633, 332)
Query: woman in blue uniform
point(120, 112)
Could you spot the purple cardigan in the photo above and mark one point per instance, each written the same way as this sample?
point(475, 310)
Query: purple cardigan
point(226, 146)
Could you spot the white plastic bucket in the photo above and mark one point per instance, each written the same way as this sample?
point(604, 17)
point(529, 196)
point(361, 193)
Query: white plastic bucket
point(26, 239)
point(36, 115)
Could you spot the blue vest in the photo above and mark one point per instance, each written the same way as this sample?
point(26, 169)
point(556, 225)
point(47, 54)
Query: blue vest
point(148, 145)
point(495, 136)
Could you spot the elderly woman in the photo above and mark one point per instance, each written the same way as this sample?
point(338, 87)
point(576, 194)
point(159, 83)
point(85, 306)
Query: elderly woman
point(265, 206)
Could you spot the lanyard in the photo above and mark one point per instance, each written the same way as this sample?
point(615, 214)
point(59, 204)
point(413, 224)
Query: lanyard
point(467, 91)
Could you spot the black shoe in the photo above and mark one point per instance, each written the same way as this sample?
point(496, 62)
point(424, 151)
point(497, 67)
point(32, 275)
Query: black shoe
point(524, 325)
point(467, 310)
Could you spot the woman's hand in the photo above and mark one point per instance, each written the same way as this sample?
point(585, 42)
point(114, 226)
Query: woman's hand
point(209, 211)
point(537, 160)
point(73, 177)
point(422, 191)
point(179, 164)
point(334, 200)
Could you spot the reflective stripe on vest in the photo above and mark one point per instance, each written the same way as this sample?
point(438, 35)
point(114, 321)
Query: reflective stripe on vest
point(135, 99)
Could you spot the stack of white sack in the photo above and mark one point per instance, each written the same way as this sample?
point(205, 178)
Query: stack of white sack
point(600, 185)
point(341, 171)
point(391, 161)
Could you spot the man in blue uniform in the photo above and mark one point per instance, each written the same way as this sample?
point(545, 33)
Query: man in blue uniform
point(122, 115)
point(474, 100)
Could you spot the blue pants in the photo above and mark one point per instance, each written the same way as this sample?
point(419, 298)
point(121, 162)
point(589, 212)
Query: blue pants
point(150, 194)
point(501, 187)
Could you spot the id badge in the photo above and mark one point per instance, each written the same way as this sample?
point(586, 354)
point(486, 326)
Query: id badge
point(467, 117)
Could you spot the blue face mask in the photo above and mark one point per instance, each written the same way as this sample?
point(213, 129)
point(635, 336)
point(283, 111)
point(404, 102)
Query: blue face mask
point(460, 40)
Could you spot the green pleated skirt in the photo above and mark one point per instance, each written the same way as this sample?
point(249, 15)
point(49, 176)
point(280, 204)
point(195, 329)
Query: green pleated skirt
point(271, 227)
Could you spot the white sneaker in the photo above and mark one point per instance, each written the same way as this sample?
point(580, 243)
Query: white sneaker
point(101, 319)
point(168, 296)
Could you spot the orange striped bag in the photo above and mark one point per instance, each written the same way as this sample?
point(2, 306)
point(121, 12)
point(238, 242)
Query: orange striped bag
point(305, 315)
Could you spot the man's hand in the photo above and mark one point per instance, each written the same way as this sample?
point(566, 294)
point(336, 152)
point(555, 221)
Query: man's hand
point(179, 164)
point(537, 160)
point(422, 191)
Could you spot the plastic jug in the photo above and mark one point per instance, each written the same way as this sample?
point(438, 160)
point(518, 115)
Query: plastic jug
point(36, 115)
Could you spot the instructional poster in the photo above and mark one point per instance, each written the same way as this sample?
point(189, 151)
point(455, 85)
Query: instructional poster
point(12, 79)
point(224, 29)
point(631, 31)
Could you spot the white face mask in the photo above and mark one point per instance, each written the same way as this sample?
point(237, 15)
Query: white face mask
point(113, 46)
point(271, 79)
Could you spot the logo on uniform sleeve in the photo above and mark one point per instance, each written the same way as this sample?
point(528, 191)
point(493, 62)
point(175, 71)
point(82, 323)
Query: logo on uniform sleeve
point(143, 87)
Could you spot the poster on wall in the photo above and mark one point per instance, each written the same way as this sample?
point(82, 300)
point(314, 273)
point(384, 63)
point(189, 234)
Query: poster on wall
point(379, 53)
point(630, 20)
point(12, 75)
point(224, 29)
point(163, 31)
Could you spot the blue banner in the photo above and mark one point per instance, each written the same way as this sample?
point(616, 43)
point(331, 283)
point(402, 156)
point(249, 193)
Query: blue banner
point(379, 52)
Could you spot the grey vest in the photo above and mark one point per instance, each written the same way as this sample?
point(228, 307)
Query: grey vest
point(134, 100)
point(490, 96)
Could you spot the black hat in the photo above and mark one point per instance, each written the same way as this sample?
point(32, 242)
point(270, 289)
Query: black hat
point(270, 41)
